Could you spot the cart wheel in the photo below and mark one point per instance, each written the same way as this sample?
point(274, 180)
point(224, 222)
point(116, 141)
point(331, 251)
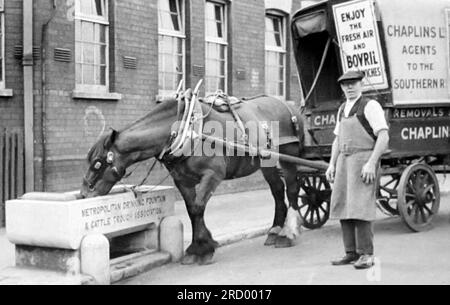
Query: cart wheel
point(315, 196)
point(418, 197)
point(387, 196)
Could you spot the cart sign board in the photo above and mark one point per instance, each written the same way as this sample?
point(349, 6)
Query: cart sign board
point(420, 137)
point(357, 32)
point(416, 34)
point(420, 129)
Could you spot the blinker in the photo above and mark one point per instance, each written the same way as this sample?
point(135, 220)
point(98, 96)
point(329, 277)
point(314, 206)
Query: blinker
point(110, 158)
point(97, 166)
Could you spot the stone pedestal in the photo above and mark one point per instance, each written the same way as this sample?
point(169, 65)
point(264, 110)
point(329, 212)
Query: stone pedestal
point(59, 260)
point(58, 233)
point(171, 238)
point(95, 258)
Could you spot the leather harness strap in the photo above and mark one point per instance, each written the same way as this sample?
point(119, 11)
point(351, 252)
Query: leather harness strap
point(296, 124)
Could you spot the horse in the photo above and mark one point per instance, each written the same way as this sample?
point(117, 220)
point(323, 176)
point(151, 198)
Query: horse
point(198, 176)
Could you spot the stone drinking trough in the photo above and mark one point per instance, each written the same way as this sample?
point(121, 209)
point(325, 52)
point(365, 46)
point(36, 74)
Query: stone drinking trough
point(60, 238)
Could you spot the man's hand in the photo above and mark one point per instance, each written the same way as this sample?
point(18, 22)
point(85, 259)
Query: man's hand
point(331, 172)
point(369, 172)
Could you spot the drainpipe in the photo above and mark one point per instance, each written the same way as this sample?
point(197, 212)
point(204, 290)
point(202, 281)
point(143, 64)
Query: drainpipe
point(43, 110)
point(28, 98)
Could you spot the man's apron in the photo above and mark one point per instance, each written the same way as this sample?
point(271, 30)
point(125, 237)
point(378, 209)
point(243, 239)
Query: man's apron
point(351, 197)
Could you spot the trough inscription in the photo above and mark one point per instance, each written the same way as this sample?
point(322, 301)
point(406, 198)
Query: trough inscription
point(128, 213)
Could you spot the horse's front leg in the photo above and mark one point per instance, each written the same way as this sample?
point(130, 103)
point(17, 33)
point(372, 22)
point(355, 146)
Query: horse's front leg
point(189, 194)
point(203, 246)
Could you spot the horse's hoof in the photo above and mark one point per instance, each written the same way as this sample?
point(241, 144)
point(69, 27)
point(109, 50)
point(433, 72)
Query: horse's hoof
point(215, 244)
point(189, 260)
point(271, 240)
point(206, 259)
point(283, 242)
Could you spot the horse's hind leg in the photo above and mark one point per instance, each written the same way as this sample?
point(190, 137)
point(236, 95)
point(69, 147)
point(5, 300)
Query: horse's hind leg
point(278, 192)
point(292, 226)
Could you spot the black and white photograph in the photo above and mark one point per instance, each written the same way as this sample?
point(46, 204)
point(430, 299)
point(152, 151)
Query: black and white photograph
point(224, 148)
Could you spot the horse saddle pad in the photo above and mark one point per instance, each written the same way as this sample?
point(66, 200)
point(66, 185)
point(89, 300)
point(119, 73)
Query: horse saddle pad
point(223, 103)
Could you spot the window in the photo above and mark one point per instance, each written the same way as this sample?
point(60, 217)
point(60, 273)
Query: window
point(216, 47)
point(2, 46)
point(91, 45)
point(275, 56)
point(171, 45)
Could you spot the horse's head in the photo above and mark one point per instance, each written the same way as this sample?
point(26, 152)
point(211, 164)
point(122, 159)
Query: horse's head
point(106, 167)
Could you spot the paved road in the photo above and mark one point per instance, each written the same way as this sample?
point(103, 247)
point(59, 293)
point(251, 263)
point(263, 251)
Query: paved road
point(404, 258)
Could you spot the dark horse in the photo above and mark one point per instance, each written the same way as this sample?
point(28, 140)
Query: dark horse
point(197, 177)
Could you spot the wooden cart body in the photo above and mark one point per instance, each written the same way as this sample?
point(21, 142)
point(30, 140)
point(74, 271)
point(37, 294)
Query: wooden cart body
point(403, 47)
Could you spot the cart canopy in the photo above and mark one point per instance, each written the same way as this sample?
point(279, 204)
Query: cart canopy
point(315, 22)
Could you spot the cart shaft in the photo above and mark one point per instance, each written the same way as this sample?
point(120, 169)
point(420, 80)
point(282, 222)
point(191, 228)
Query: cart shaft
point(268, 154)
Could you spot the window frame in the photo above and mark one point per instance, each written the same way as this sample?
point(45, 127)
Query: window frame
point(281, 51)
point(174, 34)
point(223, 42)
point(181, 20)
point(79, 18)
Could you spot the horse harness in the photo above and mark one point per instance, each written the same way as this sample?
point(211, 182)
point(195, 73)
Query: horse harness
point(99, 167)
point(188, 129)
point(190, 116)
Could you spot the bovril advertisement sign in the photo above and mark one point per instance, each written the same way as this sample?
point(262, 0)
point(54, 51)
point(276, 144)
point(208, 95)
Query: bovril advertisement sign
point(416, 42)
point(359, 40)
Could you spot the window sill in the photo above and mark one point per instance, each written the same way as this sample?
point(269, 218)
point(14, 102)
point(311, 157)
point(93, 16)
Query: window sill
point(6, 93)
point(106, 96)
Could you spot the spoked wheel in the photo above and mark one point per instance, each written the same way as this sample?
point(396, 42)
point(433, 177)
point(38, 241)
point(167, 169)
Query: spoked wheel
point(418, 197)
point(315, 196)
point(387, 194)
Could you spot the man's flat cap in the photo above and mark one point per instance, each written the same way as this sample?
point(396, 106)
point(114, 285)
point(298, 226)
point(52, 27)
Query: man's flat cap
point(351, 75)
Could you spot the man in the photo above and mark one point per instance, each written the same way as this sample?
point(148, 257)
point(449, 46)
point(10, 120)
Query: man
point(361, 139)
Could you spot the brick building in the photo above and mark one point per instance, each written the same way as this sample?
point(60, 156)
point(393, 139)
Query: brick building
point(72, 68)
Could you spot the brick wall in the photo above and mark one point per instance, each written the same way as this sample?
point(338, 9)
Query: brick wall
point(248, 46)
point(72, 126)
point(195, 43)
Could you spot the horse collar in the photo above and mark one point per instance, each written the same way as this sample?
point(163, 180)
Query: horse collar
point(189, 130)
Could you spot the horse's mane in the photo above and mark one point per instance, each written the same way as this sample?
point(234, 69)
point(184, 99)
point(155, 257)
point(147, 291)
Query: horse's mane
point(158, 109)
point(99, 147)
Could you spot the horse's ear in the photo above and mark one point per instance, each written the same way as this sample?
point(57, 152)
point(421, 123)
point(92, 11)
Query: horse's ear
point(110, 139)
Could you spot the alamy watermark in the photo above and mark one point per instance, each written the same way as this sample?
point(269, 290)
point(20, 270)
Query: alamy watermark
point(256, 139)
point(70, 13)
point(374, 274)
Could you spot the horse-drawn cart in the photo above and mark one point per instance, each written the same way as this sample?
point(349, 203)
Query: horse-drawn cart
point(403, 48)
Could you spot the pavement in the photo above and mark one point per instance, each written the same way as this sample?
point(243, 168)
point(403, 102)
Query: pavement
point(402, 258)
point(231, 218)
